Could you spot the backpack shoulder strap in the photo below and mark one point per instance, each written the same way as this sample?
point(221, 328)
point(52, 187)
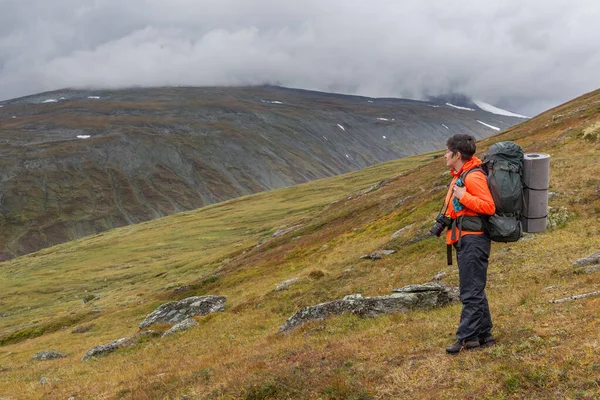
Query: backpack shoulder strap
point(463, 176)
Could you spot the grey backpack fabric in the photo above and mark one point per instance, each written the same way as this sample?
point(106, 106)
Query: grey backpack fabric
point(503, 165)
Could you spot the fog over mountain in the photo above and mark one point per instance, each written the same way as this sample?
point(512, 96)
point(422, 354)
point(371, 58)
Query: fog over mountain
point(521, 56)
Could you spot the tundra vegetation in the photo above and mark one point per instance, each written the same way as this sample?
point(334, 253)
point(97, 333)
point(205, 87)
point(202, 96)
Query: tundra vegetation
point(103, 286)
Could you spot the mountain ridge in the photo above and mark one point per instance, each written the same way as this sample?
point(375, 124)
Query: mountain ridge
point(76, 163)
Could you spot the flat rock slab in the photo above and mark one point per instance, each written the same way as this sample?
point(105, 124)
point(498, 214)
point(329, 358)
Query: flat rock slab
point(589, 260)
point(376, 255)
point(410, 297)
point(182, 326)
point(48, 355)
point(108, 348)
point(178, 311)
point(102, 350)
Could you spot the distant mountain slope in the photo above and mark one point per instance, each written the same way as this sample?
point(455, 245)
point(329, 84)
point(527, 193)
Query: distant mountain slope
point(75, 163)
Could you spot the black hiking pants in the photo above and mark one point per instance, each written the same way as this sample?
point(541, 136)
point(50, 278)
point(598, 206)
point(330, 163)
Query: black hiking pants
point(472, 256)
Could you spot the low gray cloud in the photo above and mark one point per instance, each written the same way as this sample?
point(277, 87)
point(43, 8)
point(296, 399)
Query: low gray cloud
point(524, 56)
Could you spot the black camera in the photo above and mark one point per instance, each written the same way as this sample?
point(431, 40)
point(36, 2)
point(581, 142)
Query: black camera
point(441, 223)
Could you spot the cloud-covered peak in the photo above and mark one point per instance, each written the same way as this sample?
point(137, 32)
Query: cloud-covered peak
point(522, 56)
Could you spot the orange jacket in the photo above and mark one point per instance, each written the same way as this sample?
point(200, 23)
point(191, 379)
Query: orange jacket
point(477, 199)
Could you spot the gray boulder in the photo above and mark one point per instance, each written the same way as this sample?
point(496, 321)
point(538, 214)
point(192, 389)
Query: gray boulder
point(108, 348)
point(589, 260)
point(428, 295)
point(182, 326)
point(177, 311)
point(48, 355)
point(100, 351)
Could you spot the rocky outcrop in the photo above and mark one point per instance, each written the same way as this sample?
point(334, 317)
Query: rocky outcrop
point(177, 311)
point(48, 355)
point(409, 297)
point(182, 326)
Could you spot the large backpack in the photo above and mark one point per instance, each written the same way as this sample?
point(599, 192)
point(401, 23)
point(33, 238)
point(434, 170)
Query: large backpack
point(503, 165)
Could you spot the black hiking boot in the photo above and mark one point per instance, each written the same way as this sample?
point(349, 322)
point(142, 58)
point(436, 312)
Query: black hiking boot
point(463, 345)
point(487, 341)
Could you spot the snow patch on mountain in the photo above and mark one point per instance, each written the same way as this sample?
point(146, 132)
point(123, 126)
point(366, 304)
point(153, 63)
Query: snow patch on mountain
point(459, 107)
point(489, 126)
point(495, 110)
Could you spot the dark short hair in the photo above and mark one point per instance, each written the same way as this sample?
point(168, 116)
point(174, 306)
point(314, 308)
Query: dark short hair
point(465, 144)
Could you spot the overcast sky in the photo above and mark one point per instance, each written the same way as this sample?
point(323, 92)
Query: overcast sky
point(525, 56)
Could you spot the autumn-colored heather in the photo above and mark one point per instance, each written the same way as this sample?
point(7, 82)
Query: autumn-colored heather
point(544, 350)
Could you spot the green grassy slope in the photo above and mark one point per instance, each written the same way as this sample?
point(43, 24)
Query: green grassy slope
point(545, 351)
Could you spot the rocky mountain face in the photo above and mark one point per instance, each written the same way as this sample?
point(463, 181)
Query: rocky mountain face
point(75, 163)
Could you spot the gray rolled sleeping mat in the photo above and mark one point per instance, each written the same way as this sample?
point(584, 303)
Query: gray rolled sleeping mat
point(536, 178)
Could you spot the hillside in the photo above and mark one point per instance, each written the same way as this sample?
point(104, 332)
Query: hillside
point(75, 163)
point(94, 290)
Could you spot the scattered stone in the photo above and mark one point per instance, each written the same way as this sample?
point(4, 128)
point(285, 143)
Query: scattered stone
point(439, 276)
point(376, 255)
point(83, 329)
point(285, 284)
point(353, 296)
point(401, 231)
point(177, 311)
point(48, 355)
point(404, 299)
point(182, 326)
point(589, 260)
point(47, 381)
point(105, 349)
point(282, 232)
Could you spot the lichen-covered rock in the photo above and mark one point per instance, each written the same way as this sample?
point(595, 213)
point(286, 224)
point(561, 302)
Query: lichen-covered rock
point(376, 255)
point(48, 355)
point(285, 284)
point(177, 311)
point(100, 351)
point(428, 295)
point(108, 348)
point(589, 260)
point(182, 326)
